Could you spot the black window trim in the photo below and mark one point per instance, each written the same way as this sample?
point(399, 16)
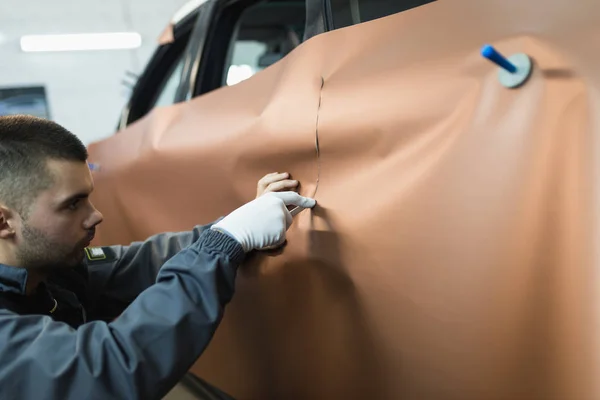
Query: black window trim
point(226, 15)
point(196, 49)
point(159, 69)
point(330, 22)
point(328, 15)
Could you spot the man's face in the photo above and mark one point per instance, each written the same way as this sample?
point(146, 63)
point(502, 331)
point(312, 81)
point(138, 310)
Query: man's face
point(61, 221)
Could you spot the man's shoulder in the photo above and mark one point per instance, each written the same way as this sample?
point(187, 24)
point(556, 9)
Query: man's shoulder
point(77, 277)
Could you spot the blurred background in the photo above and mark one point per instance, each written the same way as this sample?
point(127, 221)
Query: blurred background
point(82, 90)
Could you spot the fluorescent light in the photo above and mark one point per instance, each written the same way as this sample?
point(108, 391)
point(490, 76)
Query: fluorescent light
point(82, 41)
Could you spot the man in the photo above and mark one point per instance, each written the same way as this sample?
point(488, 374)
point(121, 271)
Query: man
point(113, 322)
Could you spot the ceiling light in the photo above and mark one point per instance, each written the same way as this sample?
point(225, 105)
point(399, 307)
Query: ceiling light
point(82, 41)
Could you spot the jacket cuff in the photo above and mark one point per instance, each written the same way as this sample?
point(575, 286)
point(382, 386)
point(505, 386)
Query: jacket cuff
point(215, 240)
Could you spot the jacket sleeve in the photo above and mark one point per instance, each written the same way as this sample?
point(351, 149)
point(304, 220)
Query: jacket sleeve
point(140, 355)
point(118, 274)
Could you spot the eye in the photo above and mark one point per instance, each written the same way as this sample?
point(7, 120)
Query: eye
point(73, 205)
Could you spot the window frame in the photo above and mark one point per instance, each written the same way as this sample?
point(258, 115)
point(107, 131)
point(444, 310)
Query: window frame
point(197, 48)
point(224, 24)
point(218, 40)
point(170, 73)
point(328, 12)
point(160, 67)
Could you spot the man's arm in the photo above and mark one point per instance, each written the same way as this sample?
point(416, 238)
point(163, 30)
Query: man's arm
point(143, 353)
point(118, 274)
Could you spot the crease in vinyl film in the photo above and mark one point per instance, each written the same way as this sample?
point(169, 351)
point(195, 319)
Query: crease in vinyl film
point(297, 210)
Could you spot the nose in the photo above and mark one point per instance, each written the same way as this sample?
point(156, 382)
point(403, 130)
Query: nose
point(94, 219)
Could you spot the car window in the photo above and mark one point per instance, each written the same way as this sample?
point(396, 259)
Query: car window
point(351, 12)
point(265, 33)
point(166, 96)
point(245, 60)
point(161, 78)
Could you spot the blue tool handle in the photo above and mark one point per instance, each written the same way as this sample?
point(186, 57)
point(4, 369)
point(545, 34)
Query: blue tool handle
point(491, 54)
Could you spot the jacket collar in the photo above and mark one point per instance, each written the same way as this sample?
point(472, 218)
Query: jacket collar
point(13, 279)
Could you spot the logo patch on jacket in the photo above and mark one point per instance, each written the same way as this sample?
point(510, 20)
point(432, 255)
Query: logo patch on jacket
point(99, 255)
point(95, 253)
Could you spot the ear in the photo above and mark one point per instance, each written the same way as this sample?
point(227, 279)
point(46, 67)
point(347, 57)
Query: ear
point(7, 222)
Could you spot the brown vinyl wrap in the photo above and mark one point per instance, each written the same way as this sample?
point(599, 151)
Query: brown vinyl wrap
point(453, 253)
point(167, 35)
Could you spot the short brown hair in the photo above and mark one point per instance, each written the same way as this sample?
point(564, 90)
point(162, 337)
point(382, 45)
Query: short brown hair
point(26, 145)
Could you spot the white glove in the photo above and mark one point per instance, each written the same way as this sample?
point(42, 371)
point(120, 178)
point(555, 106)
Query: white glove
point(263, 223)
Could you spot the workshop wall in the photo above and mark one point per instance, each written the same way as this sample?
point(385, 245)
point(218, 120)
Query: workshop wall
point(85, 90)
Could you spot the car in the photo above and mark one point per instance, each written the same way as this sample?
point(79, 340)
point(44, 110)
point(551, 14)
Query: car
point(452, 251)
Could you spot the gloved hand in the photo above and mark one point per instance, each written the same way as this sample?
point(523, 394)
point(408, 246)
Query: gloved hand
point(263, 223)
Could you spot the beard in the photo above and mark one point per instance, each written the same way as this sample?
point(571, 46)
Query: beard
point(41, 253)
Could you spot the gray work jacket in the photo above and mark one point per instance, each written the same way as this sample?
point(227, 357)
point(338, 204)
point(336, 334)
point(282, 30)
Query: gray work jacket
point(126, 324)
